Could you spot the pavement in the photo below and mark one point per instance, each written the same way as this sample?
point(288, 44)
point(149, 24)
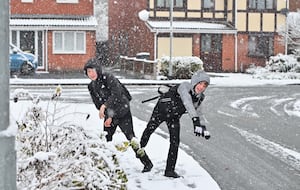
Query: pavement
point(79, 78)
point(74, 74)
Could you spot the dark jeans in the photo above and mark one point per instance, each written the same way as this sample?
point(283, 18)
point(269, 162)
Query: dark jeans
point(158, 116)
point(125, 124)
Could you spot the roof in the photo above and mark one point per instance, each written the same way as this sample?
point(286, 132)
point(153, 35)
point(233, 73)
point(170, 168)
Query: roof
point(189, 27)
point(88, 23)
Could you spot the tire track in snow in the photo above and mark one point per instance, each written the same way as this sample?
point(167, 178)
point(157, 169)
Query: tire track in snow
point(286, 155)
point(293, 108)
point(277, 103)
point(242, 104)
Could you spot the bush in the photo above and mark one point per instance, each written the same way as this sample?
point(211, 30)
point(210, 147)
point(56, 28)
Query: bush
point(182, 67)
point(283, 63)
point(55, 153)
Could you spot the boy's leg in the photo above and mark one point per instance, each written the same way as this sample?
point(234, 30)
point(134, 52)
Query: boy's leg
point(127, 128)
point(153, 123)
point(174, 130)
point(110, 131)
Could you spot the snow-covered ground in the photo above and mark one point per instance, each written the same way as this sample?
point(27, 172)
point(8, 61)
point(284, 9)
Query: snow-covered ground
point(219, 79)
point(194, 176)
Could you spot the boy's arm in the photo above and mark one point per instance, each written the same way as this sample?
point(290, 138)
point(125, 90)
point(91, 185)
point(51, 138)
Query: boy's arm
point(184, 92)
point(94, 97)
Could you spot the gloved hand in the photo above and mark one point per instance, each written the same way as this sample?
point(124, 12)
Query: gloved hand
point(200, 130)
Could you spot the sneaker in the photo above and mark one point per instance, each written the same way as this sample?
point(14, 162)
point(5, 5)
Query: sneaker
point(147, 168)
point(171, 174)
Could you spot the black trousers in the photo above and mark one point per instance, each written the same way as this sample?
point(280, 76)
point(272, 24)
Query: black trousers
point(159, 115)
point(126, 126)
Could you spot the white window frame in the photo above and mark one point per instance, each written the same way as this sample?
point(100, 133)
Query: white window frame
point(63, 49)
point(27, 1)
point(67, 1)
point(166, 3)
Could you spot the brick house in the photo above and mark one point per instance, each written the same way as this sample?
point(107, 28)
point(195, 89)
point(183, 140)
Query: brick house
point(61, 33)
point(228, 35)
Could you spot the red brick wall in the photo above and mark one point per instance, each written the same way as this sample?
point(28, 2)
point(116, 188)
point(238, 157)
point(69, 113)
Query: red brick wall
point(124, 21)
point(279, 46)
point(244, 61)
point(84, 7)
point(70, 62)
point(228, 53)
point(196, 45)
point(294, 5)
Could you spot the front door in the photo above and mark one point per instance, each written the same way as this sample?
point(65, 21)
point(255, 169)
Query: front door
point(211, 52)
point(30, 41)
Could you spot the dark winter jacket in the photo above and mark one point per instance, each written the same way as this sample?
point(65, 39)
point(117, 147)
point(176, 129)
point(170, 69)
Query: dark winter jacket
point(108, 90)
point(182, 98)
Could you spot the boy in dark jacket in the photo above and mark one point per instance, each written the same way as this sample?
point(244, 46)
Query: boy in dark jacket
point(170, 107)
point(111, 98)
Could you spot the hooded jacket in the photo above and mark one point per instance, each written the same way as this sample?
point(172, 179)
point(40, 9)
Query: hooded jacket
point(190, 99)
point(108, 90)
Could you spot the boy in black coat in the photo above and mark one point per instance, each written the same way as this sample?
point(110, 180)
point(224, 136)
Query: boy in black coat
point(111, 98)
point(186, 97)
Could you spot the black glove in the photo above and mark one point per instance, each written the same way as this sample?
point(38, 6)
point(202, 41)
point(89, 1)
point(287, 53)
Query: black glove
point(200, 130)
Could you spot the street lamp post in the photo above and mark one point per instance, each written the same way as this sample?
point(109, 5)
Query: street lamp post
point(7, 140)
point(171, 38)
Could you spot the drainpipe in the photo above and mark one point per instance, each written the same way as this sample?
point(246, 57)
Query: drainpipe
point(155, 45)
point(46, 51)
point(7, 138)
point(235, 38)
point(171, 39)
point(155, 54)
point(287, 4)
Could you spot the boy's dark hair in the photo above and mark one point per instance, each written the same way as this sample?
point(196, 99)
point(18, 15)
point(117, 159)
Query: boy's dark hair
point(93, 63)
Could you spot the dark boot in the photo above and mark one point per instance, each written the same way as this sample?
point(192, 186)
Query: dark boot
point(171, 174)
point(108, 138)
point(147, 163)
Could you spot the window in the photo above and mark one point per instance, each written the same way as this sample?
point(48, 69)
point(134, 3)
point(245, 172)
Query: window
point(27, 1)
point(67, 1)
point(260, 46)
point(211, 43)
point(166, 3)
point(69, 42)
point(261, 4)
point(208, 4)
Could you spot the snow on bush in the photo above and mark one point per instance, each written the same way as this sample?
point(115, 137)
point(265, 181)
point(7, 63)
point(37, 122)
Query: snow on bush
point(182, 67)
point(62, 156)
point(278, 67)
point(283, 63)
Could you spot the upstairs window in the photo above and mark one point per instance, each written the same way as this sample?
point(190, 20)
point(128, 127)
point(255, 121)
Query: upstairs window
point(27, 1)
point(260, 46)
point(261, 4)
point(67, 1)
point(166, 3)
point(208, 4)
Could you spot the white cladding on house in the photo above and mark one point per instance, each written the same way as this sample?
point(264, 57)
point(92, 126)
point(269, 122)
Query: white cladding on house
point(88, 23)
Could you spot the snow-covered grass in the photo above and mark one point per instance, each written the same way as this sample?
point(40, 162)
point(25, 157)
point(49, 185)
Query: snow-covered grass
point(61, 146)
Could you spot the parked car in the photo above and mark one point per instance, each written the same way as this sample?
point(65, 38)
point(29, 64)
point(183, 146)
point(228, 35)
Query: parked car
point(21, 62)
